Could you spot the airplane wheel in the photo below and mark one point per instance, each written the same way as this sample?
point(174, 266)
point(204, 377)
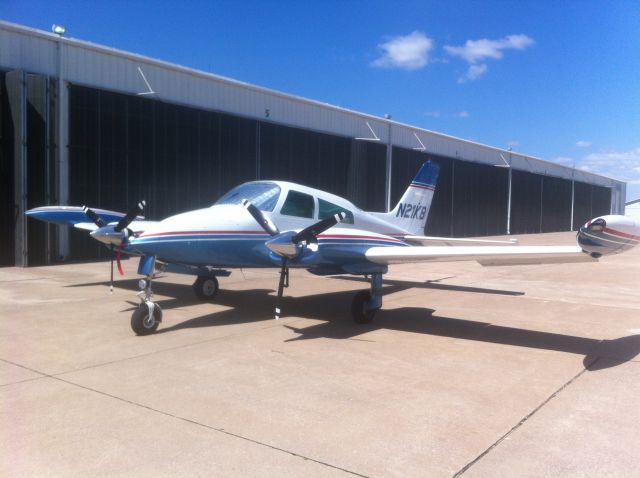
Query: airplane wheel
point(206, 288)
point(362, 315)
point(142, 323)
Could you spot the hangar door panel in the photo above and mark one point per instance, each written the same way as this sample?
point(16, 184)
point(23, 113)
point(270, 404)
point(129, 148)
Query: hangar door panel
point(313, 159)
point(7, 211)
point(526, 202)
point(479, 199)
point(601, 204)
point(556, 204)
point(367, 175)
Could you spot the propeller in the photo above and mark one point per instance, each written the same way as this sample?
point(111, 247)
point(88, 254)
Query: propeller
point(310, 233)
point(266, 224)
point(131, 215)
point(108, 237)
point(91, 214)
point(286, 244)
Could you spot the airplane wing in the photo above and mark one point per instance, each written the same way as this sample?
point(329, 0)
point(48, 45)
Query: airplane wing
point(76, 217)
point(485, 255)
point(452, 241)
point(72, 215)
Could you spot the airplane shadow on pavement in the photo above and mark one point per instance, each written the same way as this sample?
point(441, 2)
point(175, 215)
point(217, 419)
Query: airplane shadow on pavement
point(334, 309)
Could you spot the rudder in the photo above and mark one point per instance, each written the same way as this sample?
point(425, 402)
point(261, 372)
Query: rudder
point(412, 210)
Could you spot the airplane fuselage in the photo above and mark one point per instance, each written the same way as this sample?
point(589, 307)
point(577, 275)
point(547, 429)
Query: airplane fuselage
point(225, 235)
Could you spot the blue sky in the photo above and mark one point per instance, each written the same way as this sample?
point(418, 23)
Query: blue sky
point(559, 80)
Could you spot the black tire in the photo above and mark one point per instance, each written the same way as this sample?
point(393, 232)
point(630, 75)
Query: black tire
point(140, 322)
point(206, 288)
point(359, 312)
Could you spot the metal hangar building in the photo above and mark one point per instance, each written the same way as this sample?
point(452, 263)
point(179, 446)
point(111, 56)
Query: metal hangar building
point(86, 124)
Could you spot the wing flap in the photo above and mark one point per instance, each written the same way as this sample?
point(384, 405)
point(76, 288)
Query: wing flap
point(485, 255)
point(452, 241)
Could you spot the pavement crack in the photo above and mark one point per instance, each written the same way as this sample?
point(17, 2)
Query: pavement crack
point(524, 419)
point(209, 427)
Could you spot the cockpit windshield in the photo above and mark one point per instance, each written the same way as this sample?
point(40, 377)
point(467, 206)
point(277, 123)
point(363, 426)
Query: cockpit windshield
point(263, 195)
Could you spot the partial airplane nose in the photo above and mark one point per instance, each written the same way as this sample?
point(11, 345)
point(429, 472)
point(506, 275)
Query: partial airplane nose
point(609, 235)
point(109, 236)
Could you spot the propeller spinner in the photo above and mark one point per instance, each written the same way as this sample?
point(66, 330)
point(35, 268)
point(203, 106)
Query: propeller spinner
point(288, 244)
point(113, 236)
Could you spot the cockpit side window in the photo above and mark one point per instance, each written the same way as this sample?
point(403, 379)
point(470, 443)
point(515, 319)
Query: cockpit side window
point(327, 209)
point(298, 204)
point(263, 195)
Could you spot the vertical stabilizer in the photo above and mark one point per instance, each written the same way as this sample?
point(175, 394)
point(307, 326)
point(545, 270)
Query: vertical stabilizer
point(413, 209)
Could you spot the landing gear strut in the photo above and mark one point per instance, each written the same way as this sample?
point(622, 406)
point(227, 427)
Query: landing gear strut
point(367, 302)
point(146, 318)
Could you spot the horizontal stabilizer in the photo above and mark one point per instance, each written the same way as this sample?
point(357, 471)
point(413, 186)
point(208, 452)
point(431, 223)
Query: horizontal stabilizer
point(485, 255)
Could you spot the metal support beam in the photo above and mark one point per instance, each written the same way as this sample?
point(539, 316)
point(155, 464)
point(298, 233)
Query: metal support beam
point(387, 191)
point(509, 202)
point(17, 93)
point(573, 198)
point(62, 140)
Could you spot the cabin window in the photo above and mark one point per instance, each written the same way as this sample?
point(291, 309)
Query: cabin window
point(327, 209)
point(298, 204)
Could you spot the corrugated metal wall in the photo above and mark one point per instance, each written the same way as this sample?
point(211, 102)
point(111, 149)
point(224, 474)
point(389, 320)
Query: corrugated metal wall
point(7, 211)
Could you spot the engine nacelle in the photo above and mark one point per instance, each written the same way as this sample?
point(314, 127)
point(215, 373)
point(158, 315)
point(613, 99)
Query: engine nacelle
point(607, 235)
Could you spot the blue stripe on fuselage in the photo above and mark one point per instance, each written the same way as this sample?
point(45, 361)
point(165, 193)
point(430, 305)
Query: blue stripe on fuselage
point(249, 250)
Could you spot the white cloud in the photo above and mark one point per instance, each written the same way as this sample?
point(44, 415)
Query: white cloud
point(473, 73)
point(432, 114)
point(461, 114)
point(622, 165)
point(513, 144)
point(476, 52)
point(410, 52)
point(583, 144)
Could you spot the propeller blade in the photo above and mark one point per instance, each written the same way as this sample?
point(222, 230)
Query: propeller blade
point(91, 214)
point(310, 233)
point(266, 224)
point(131, 215)
point(284, 273)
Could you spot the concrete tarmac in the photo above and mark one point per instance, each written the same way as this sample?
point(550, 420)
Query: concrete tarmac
point(466, 371)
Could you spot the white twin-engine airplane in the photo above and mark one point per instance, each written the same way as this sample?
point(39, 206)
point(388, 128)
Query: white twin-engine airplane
point(282, 224)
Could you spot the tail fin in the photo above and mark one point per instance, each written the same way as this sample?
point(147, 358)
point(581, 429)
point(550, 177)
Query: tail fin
point(413, 209)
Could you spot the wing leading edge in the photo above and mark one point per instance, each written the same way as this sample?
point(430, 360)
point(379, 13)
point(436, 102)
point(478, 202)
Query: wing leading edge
point(485, 255)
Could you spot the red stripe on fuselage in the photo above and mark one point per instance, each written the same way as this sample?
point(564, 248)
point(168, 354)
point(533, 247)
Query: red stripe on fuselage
point(192, 233)
point(613, 232)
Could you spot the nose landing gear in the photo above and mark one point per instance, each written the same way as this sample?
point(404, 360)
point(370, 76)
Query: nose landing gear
point(146, 318)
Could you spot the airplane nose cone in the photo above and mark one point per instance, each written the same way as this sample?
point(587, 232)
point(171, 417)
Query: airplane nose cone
point(108, 236)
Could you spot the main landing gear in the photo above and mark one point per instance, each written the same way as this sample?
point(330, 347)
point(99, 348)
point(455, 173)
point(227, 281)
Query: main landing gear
point(367, 302)
point(206, 287)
